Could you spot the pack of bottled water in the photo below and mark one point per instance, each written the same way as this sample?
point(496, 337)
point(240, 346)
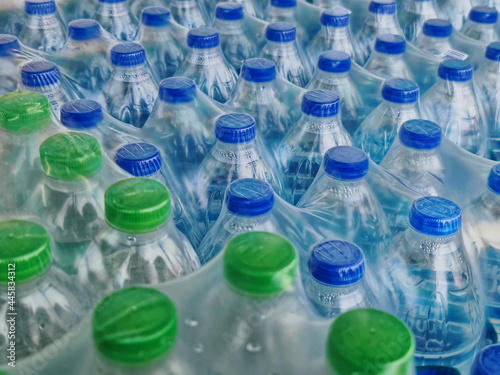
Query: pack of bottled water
point(255, 187)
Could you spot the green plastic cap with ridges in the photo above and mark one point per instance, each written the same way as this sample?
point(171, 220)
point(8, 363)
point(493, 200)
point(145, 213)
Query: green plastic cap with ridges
point(24, 112)
point(260, 263)
point(26, 245)
point(70, 156)
point(137, 205)
point(134, 326)
point(371, 342)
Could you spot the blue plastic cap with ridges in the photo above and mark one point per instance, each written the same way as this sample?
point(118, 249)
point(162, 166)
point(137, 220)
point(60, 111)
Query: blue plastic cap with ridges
point(7, 44)
point(40, 73)
point(336, 17)
point(84, 29)
point(493, 51)
point(235, 128)
point(337, 263)
point(437, 370)
point(112, 1)
point(346, 163)
point(229, 11)
point(435, 216)
point(494, 179)
point(437, 28)
point(128, 54)
point(249, 197)
point(139, 159)
point(320, 103)
point(177, 90)
point(483, 14)
point(155, 16)
point(334, 62)
point(281, 32)
point(455, 70)
point(284, 3)
point(420, 134)
point(202, 38)
point(258, 70)
point(382, 6)
point(81, 114)
point(390, 44)
point(487, 361)
point(40, 7)
point(401, 91)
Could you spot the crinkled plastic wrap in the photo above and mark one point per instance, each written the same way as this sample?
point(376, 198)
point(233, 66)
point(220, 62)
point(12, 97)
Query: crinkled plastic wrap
point(11, 17)
point(77, 9)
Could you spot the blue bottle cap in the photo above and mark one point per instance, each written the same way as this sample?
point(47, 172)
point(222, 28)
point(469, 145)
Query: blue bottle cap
point(494, 179)
point(40, 73)
point(435, 216)
point(390, 44)
point(402, 91)
point(280, 32)
point(337, 263)
point(235, 128)
point(258, 70)
point(483, 14)
point(139, 159)
point(84, 29)
point(455, 70)
point(203, 37)
point(437, 370)
point(334, 62)
point(420, 134)
point(284, 3)
point(249, 197)
point(320, 103)
point(7, 44)
point(437, 28)
point(336, 17)
point(128, 54)
point(382, 6)
point(177, 90)
point(346, 163)
point(40, 7)
point(81, 114)
point(112, 1)
point(493, 51)
point(155, 16)
point(229, 11)
point(487, 361)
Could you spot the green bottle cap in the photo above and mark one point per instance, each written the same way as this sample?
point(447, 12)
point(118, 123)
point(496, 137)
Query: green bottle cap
point(24, 112)
point(137, 205)
point(134, 325)
point(260, 263)
point(371, 342)
point(70, 156)
point(26, 245)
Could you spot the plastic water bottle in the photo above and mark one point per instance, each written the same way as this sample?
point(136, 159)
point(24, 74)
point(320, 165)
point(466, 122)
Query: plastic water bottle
point(335, 281)
point(282, 48)
point(428, 265)
point(282, 11)
point(48, 302)
point(413, 16)
point(156, 34)
point(341, 195)
point(377, 132)
point(455, 11)
point(8, 45)
point(235, 44)
point(140, 244)
point(115, 17)
point(206, 65)
point(452, 104)
point(414, 158)
point(481, 24)
point(487, 361)
point(130, 92)
point(187, 13)
point(302, 150)
point(42, 28)
point(435, 37)
point(387, 60)
point(332, 74)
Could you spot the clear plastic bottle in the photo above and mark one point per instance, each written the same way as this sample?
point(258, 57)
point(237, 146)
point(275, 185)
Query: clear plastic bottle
point(207, 66)
point(282, 48)
point(187, 13)
point(377, 132)
point(282, 11)
point(455, 11)
point(487, 361)
point(452, 104)
point(130, 92)
point(435, 37)
point(480, 24)
point(413, 16)
point(115, 17)
point(8, 81)
point(387, 59)
point(42, 29)
point(302, 150)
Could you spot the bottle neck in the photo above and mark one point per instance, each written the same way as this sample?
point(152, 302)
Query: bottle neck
point(400, 111)
point(89, 183)
point(382, 21)
point(432, 44)
point(491, 66)
point(491, 200)
point(433, 245)
point(183, 4)
point(320, 125)
point(235, 153)
point(138, 239)
point(226, 27)
point(137, 73)
point(334, 33)
point(42, 22)
point(104, 366)
point(113, 9)
point(479, 26)
point(281, 48)
point(453, 88)
point(349, 191)
point(333, 78)
point(427, 8)
point(155, 34)
point(205, 56)
point(278, 14)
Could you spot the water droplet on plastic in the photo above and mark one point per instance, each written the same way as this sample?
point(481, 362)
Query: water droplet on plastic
point(131, 240)
point(253, 347)
point(191, 322)
point(198, 348)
